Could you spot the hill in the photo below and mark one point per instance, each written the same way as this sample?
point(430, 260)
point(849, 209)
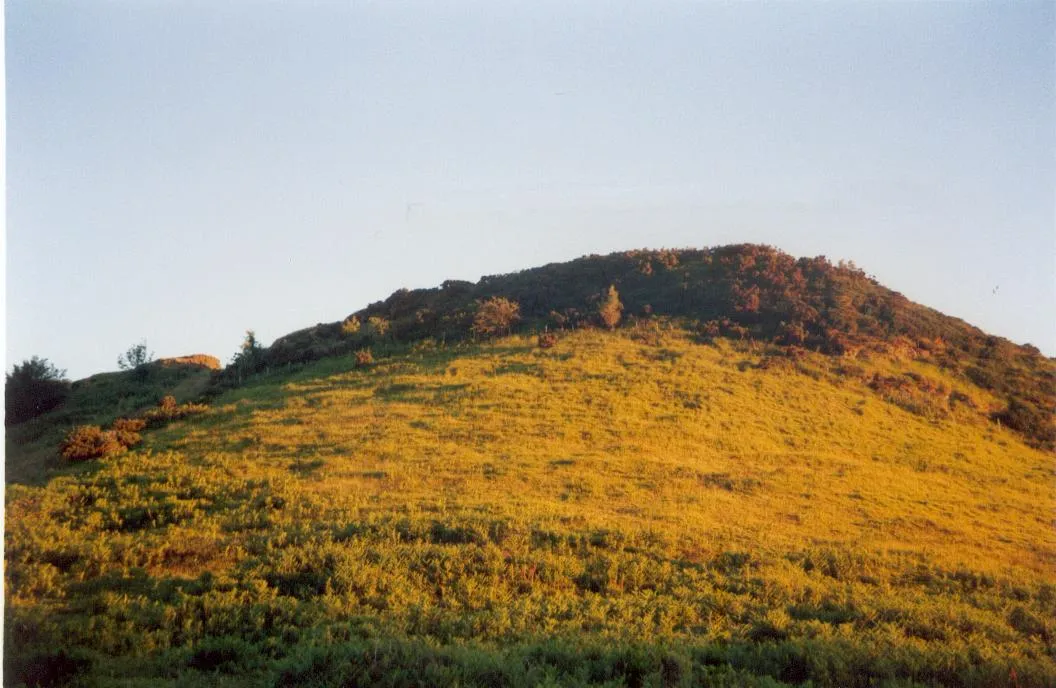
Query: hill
point(664, 504)
point(742, 292)
point(31, 448)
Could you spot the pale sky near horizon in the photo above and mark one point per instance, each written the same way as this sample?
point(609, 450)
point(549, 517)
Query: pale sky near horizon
point(180, 172)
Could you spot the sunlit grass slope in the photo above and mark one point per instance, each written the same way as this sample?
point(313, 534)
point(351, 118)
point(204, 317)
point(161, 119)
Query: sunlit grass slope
point(632, 508)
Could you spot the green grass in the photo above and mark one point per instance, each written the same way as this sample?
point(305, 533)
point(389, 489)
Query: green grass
point(622, 509)
point(31, 448)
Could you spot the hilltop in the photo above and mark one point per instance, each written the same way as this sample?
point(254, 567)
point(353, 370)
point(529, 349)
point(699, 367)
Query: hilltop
point(740, 292)
point(778, 472)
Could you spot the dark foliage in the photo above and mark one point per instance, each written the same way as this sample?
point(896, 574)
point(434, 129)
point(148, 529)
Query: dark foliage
point(249, 360)
point(45, 670)
point(135, 358)
point(34, 387)
point(743, 291)
point(1026, 418)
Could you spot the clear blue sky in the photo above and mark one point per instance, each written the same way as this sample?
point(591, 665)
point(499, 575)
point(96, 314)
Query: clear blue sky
point(182, 171)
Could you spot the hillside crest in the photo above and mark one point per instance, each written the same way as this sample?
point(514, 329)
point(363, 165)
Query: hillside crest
point(743, 291)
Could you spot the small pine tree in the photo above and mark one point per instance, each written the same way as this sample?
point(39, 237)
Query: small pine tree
point(250, 359)
point(611, 309)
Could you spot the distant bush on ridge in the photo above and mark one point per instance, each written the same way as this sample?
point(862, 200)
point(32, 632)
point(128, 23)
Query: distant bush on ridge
point(33, 387)
point(496, 316)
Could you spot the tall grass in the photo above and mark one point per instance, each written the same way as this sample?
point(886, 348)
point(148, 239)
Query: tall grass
point(610, 510)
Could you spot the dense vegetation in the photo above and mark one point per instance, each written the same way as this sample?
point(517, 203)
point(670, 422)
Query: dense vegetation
point(656, 468)
point(627, 508)
point(743, 292)
point(32, 388)
point(32, 447)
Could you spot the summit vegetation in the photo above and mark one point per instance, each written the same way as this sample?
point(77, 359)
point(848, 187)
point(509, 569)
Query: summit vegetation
point(741, 292)
point(659, 468)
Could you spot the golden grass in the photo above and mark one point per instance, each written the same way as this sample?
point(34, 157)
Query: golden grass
point(645, 489)
point(689, 439)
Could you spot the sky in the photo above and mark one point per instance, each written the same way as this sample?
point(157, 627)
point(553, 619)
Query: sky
point(180, 172)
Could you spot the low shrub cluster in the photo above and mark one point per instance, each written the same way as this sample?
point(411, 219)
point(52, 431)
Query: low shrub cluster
point(547, 340)
point(90, 442)
point(913, 393)
point(87, 442)
point(168, 410)
point(1027, 419)
point(127, 430)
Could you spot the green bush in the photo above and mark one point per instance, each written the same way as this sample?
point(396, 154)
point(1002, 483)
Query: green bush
point(136, 357)
point(34, 387)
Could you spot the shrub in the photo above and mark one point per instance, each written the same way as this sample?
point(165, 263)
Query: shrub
point(225, 655)
point(610, 309)
point(136, 357)
point(707, 332)
point(50, 668)
point(34, 387)
point(496, 316)
point(364, 358)
point(167, 409)
point(378, 326)
point(981, 377)
point(351, 325)
point(547, 340)
point(89, 442)
point(1029, 420)
point(961, 398)
point(792, 333)
point(249, 359)
point(127, 430)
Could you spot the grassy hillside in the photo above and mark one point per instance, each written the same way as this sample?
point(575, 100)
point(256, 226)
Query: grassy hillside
point(630, 508)
point(742, 292)
point(31, 448)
